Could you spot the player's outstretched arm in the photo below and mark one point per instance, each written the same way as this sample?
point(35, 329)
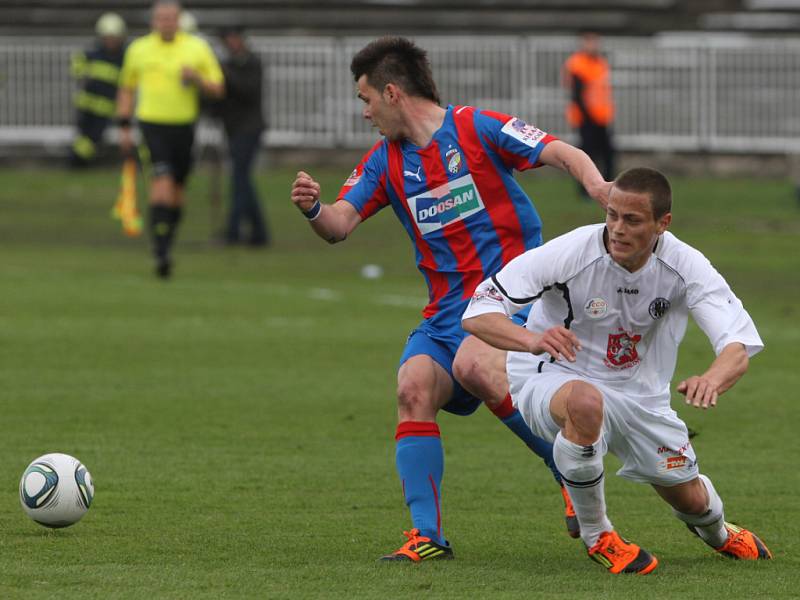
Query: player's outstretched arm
point(501, 332)
point(577, 163)
point(702, 391)
point(332, 222)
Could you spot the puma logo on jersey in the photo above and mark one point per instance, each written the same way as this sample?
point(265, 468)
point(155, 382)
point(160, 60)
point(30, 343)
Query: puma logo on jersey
point(413, 174)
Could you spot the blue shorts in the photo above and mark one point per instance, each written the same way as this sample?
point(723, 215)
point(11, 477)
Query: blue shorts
point(441, 346)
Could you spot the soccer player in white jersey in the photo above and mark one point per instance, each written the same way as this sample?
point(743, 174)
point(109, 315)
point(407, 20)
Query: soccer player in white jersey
point(591, 370)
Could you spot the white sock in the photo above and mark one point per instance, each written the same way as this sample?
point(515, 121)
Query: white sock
point(711, 524)
point(582, 472)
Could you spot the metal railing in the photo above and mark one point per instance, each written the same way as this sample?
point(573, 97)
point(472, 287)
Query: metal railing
point(734, 95)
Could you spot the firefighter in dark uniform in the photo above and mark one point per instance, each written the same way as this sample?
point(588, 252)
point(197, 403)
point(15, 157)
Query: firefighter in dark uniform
point(98, 71)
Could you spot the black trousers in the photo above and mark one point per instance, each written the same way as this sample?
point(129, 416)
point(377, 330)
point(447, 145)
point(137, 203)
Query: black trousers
point(90, 133)
point(595, 140)
point(245, 207)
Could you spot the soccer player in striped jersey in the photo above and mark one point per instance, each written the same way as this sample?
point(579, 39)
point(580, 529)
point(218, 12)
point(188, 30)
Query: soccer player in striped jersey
point(447, 174)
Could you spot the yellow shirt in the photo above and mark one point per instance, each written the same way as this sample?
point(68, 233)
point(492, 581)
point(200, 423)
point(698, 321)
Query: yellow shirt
point(153, 66)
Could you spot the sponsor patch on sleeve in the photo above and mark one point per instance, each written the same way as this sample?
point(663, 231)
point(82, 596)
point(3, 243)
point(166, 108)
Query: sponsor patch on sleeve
point(529, 135)
point(353, 179)
point(487, 294)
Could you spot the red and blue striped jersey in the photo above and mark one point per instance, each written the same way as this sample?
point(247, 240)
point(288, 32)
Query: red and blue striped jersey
point(457, 199)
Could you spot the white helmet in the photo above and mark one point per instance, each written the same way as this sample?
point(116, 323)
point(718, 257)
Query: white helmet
point(110, 25)
point(187, 22)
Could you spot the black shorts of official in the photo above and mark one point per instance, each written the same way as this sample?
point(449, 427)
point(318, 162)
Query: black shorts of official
point(170, 149)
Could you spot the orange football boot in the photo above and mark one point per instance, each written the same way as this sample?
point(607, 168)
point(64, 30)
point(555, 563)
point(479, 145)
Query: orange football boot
point(618, 555)
point(419, 548)
point(743, 545)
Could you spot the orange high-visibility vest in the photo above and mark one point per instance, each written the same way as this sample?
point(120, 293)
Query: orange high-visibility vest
point(593, 71)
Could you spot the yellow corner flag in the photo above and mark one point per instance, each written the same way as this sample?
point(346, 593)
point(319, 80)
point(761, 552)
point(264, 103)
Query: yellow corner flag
point(125, 207)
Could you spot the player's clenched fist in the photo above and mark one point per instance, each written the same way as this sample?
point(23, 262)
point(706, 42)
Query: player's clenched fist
point(305, 191)
point(557, 342)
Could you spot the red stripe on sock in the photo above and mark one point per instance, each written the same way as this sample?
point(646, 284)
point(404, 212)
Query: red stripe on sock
point(505, 409)
point(417, 429)
point(438, 511)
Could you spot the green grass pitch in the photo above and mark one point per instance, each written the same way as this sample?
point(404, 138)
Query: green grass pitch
point(238, 420)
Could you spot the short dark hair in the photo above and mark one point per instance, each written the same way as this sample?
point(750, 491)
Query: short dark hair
point(231, 29)
point(644, 180)
point(397, 60)
point(158, 3)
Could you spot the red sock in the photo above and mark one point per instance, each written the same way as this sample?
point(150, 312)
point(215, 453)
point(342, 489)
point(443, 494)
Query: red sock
point(417, 429)
point(504, 409)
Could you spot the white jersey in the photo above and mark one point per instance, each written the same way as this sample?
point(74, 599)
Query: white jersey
point(629, 324)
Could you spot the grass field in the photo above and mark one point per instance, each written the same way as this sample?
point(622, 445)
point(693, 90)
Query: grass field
point(238, 420)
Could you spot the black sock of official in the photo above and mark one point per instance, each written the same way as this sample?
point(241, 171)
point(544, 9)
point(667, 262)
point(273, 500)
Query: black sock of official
point(160, 219)
point(175, 216)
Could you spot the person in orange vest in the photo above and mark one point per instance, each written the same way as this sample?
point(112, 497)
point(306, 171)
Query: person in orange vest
point(590, 111)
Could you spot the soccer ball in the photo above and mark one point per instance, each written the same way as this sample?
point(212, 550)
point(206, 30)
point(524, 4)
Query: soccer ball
point(56, 490)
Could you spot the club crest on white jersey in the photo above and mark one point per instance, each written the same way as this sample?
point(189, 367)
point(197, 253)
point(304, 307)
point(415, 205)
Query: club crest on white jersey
point(621, 352)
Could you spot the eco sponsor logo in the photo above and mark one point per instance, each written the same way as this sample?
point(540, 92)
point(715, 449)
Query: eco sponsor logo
point(446, 204)
point(520, 130)
point(596, 308)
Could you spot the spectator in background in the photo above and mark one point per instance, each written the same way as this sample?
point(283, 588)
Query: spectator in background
point(163, 77)
point(590, 111)
point(243, 118)
point(97, 69)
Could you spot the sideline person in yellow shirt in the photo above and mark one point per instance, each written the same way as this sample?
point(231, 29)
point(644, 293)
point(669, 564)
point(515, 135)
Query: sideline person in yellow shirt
point(163, 76)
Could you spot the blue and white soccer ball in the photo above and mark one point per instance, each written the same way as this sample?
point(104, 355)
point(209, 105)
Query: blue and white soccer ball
point(56, 490)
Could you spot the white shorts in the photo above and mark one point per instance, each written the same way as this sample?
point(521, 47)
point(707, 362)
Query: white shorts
point(652, 442)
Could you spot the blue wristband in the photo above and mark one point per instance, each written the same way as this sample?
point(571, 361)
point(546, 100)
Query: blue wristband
point(314, 211)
